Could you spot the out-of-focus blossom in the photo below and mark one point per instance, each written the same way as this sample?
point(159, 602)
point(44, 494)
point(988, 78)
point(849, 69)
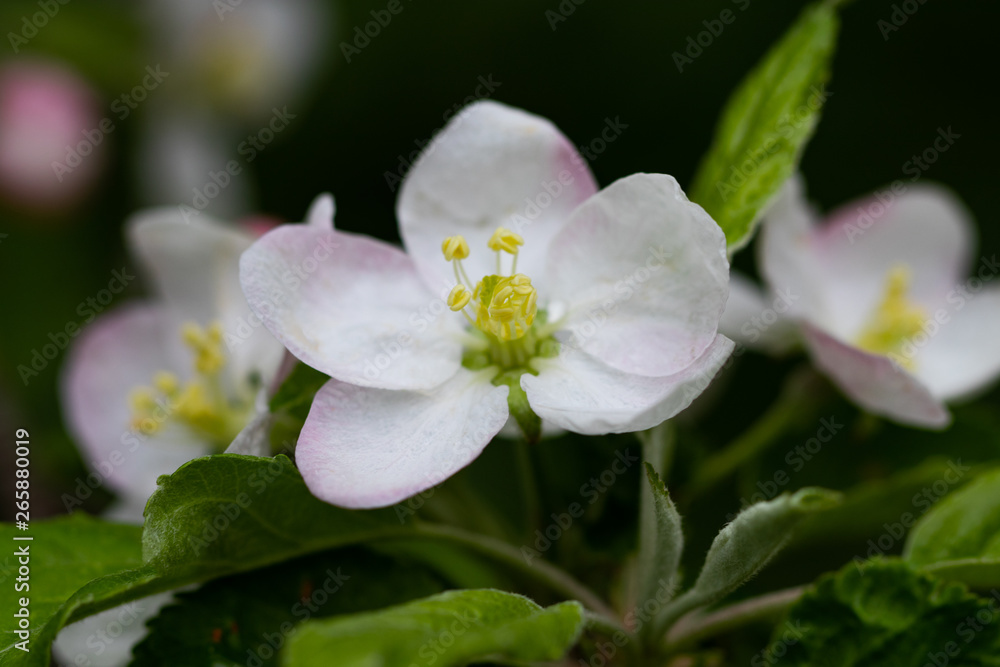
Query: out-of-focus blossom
point(880, 299)
point(154, 384)
point(52, 150)
point(231, 66)
point(599, 312)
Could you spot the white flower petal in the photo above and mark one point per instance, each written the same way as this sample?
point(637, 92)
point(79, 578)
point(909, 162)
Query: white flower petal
point(579, 393)
point(364, 447)
point(755, 322)
point(351, 307)
point(874, 382)
point(784, 252)
point(322, 211)
point(195, 266)
point(492, 166)
point(644, 274)
point(963, 355)
point(84, 642)
point(118, 352)
point(842, 266)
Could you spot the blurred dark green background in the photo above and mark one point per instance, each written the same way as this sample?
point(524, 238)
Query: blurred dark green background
point(606, 60)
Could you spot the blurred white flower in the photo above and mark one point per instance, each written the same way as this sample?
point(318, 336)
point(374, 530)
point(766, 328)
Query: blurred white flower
point(231, 65)
point(881, 299)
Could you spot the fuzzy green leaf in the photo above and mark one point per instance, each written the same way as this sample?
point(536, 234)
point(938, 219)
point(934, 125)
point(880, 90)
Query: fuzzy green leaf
point(959, 538)
point(765, 126)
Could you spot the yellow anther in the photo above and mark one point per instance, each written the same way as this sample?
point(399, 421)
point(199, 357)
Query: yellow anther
point(455, 247)
point(142, 399)
point(506, 309)
point(200, 403)
point(207, 346)
point(459, 297)
point(505, 240)
point(895, 320)
point(166, 382)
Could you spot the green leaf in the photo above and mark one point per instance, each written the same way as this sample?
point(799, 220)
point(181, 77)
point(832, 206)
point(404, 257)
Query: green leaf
point(225, 514)
point(744, 547)
point(295, 395)
point(229, 513)
point(661, 541)
point(233, 620)
point(959, 538)
point(765, 125)
point(453, 628)
point(65, 554)
point(214, 516)
point(887, 615)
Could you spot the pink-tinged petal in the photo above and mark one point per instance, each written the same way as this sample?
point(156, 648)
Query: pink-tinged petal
point(960, 354)
point(784, 252)
point(874, 382)
point(195, 266)
point(363, 447)
point(577, 392)
point(643, 274)
point(118, 352)
point(492, 166)
point(758, 321)
point(322, 211)
point(843, 264)
point(351, 307)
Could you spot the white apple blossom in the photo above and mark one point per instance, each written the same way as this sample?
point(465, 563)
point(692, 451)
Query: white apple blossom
point(520, 282)
point(881, 302)
point(153, 384)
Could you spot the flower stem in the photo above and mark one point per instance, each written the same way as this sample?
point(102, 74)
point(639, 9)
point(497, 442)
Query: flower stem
point(692, 629)
point(539, 570)
point(529, 486)
point(796, 403)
